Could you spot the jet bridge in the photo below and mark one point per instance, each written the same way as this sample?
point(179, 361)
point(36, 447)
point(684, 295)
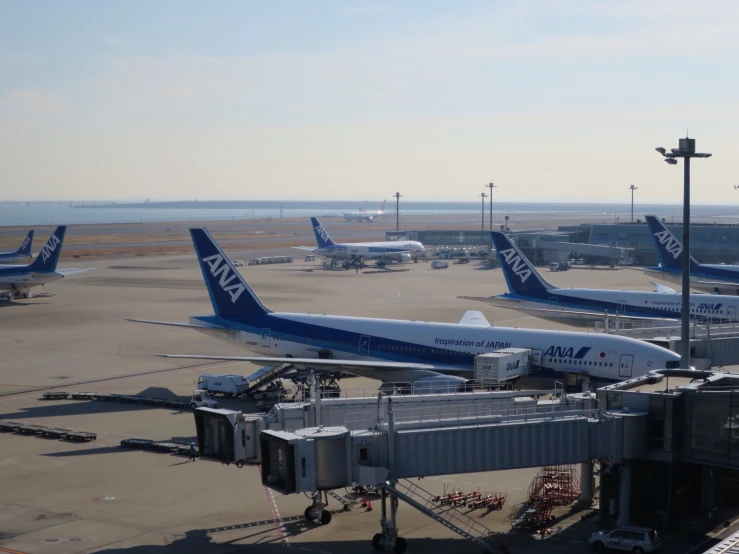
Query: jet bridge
point(382, 441)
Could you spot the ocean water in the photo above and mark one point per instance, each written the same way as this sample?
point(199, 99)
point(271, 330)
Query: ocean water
point(21, 213)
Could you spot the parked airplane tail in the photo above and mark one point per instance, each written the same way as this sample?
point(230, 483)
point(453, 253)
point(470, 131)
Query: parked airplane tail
point(48, 256)
point(521, 276)
point(229, 293)
point(25, 249)
point(322, 236)
point(669, 249)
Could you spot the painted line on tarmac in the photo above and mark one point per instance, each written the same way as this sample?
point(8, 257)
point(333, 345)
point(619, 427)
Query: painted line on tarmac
point(275, 512)
point(11, 551)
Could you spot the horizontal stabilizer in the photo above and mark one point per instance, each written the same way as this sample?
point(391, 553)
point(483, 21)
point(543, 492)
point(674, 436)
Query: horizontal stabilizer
point(306, 248)
point(181, 325)
point(473, 317)
point(72, 271)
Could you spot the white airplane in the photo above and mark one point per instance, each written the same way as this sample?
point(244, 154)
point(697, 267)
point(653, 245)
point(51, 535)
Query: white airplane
point(433, 356)
point(714, 278)
point(17, 280)
point(22, 254)
point(530, 293)
point(356, 253)
point(364, 215)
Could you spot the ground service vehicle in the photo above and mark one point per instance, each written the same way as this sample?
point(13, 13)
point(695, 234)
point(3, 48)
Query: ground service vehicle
point(559, 266)
point(200, 399)
point(230, 385)
point(438, 264)
point(630, 539)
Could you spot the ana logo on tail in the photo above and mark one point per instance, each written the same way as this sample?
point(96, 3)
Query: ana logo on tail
point(220, 270)
point(25, 242)
point(324, 235)
point(517, 265)
point(50, 247)
point(669, 242)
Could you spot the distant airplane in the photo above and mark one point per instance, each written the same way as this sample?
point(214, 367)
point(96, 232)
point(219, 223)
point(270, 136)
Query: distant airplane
point(530, 293)
point(356, 253)
point(22, 254)
point(17, 280)
point(715, 278)
point(429, 356)
point(363, 215)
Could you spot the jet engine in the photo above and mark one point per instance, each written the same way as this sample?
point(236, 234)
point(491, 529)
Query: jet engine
point(434, 384)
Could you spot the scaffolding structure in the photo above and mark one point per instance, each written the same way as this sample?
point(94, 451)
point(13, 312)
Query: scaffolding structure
point(553, 486)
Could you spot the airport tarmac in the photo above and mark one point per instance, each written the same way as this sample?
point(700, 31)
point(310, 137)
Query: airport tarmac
point(68, 498)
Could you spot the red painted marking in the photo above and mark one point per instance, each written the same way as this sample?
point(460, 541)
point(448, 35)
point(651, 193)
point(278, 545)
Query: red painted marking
point(278, 525)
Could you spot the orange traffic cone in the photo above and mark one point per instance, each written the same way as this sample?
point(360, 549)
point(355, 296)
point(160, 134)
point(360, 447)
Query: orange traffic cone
point(369, 506)
point(364, 502)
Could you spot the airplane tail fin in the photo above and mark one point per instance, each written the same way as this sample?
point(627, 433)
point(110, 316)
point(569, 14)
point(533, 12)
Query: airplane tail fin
point(25, 249)
point(322, 236)
point(229, 292)
point(48, 256)
point(521, 276)
point(669, 248)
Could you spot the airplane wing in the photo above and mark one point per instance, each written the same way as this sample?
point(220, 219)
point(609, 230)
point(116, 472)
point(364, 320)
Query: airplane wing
point(562, 313)
point(473, 317)
point(313, 362)
point(72, 271)
point(662, 288)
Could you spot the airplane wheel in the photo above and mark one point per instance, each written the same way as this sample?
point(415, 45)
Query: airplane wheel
point(307, 513)
point(325, 517)
point(376, 542)
point(400, 545)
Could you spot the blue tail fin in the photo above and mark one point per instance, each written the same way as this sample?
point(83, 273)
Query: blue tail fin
point(25, 249)
point(229, 293)
point(669, 249)
point(322, 237)
point(48, 256)
point(520, 275)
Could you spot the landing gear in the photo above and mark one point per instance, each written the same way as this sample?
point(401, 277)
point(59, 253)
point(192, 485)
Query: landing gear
point(389, 537)
point(317, 511)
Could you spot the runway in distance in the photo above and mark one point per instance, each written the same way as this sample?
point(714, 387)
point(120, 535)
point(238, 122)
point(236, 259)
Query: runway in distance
point(530, 293)
point(431, 356)
point(22, 254)
point(713, 278)
point(364, 215)
point(17, 280)
point(356, 253)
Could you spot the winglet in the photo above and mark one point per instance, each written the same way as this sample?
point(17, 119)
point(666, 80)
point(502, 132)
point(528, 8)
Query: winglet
point(669, 248)
point(521, 276)
point(322, 236)
point(229, 292)
point(25, 249)
point(48, 256)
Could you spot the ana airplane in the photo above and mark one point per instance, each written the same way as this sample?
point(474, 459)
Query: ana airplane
point(22, 254)
point(17, 280)
point(356, 253)
point(718, 279)
point(364, 215)
point(430, 355)
point(530, 293)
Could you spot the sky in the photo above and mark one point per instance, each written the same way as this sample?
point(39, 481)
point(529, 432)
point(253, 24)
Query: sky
point(560, 101)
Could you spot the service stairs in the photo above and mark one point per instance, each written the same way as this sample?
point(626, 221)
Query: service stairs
point(265, 376)
point(449, 516)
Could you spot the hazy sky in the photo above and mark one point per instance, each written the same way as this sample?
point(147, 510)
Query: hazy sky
point(552, 100)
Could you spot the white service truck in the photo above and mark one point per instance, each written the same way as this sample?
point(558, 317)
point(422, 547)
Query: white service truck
point(200, 399)
point(228, 385)
point(493, 368)
point(438, 264)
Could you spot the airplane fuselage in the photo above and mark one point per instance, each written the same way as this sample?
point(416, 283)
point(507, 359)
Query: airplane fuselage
point(397, 250)
point(450, 348)
point(716, 279)
point(23, 280)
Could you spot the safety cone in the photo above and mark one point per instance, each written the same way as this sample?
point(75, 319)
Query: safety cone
point(364, 502)
point(369, 506)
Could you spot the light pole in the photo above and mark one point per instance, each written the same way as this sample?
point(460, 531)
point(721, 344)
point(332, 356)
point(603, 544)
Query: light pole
point(633, 188)
point(483, 196)
point(397, 211)
point(491, 186)
point(685, 151)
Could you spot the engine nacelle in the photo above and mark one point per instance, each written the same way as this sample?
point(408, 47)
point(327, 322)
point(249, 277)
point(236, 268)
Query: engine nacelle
point(438, 384)
point(403, 257)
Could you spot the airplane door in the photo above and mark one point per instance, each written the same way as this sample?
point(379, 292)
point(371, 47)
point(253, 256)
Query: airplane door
point(731, 311)
point(364, 344)
point(265, 338)
point(624, 367)
point(536, 359)
point(553, 303)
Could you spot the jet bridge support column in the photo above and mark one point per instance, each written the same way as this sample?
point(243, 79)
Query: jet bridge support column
point(586, 483)
point(624, 495)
